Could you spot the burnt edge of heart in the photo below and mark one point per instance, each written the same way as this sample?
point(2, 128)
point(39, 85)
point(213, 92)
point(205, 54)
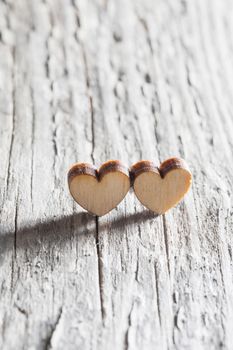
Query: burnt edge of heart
point(112, 166)
point(172, 164)
point(164, 168)
point(89, 169)
point(81, 169)
point(141, 167)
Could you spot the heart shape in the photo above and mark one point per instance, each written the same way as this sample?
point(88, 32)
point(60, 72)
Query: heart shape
point(159, 189)
point(99, 191)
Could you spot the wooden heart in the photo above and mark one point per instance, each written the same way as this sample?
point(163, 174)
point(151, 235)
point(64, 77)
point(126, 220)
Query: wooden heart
point(159, 189)
point(99, 191)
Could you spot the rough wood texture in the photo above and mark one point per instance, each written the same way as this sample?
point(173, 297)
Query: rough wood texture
point(92, 80)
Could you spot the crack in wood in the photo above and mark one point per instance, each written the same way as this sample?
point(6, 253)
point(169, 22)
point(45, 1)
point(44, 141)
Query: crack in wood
point(165, 233)
point(13, 127)
point(90, 102)
point(129, 325)
point(100, 271)
point(157, 293)
point(32, 144)
point(14, 250)
point(54, 329)
point(76, 10)
point(98, 249)
point(137, 266)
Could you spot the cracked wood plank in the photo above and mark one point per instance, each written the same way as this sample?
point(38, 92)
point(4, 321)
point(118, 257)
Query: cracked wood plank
point(93, 80)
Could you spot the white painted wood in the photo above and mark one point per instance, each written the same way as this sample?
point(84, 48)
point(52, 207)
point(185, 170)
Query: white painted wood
point(92, 80)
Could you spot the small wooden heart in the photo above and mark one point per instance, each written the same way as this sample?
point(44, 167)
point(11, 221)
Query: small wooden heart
point(99, 191)
point(159, 189)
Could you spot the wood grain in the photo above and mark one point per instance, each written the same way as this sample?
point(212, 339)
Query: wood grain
point(91, 80)
point(99, 191)
point(159, 188)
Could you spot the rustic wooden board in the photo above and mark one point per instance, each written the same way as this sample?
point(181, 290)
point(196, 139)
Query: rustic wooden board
point(90, 81)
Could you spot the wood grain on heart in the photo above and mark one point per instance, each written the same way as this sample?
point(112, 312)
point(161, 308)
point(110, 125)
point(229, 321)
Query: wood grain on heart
point(99, 191)
point(159, 189)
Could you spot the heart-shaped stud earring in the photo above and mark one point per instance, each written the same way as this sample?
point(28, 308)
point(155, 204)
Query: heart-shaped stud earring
point(99, 191)
point(159, 189)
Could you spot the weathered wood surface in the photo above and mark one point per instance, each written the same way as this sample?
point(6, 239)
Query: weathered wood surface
point(90, 81)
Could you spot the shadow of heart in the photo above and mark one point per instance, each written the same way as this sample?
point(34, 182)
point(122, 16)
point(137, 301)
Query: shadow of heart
point(56, 232)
